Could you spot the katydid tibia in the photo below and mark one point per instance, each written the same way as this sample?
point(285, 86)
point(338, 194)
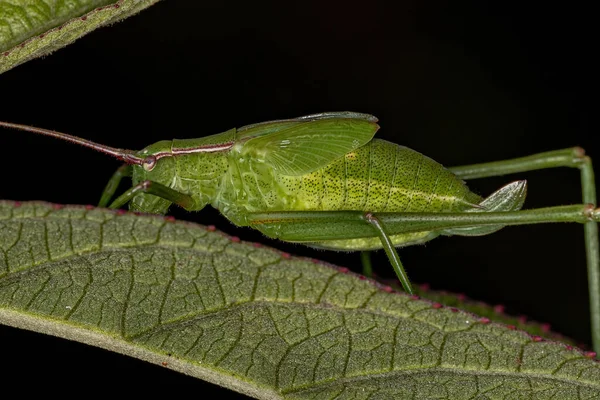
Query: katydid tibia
point(322, 180)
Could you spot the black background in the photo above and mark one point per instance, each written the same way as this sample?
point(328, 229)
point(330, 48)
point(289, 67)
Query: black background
point(460, 82)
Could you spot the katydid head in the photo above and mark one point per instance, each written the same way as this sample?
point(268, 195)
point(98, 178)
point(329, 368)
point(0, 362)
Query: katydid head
point(156, 169)
point(143, 162)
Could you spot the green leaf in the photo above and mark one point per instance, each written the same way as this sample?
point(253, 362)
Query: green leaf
point(33, 28)
point(493, 312)
point(257, 321)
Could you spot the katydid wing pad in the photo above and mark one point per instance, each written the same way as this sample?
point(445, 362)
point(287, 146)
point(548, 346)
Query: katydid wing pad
point(308, 146)
point(265, 128)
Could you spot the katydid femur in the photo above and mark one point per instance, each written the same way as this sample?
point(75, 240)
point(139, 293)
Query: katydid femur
point(323, 180)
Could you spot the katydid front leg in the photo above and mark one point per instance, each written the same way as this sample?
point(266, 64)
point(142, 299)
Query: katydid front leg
point(123, 171)
point(181, 199)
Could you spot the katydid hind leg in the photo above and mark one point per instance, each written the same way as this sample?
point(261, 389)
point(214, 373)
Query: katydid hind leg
point(572, 158)
point(156, 189)
point(123, 171)
point(310, 226)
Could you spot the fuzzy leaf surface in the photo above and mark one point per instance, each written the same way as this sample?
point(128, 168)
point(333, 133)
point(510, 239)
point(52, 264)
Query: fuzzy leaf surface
point(33, 28)
point(254, 320)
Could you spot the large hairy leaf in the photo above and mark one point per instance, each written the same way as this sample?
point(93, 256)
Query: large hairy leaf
point(32, 28)
point(257, 321)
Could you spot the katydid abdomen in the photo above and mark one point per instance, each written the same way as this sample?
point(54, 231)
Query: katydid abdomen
point(377, 177)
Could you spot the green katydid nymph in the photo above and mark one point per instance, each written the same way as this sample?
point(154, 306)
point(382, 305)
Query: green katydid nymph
point(324, 181)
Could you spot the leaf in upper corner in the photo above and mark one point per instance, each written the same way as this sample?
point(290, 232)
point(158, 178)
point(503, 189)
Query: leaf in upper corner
point(253, 320)
point(33, 28)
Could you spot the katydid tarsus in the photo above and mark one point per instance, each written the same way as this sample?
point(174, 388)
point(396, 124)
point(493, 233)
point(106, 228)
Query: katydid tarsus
point(322, 180)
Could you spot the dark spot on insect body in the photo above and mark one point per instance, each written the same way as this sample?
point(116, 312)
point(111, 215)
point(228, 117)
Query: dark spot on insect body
point(235, 239)
point(116, 6)
point(484, 320)
point(537, 338)
point(42, 35)
point(286, 255)
point(57, 206)
point(211, 228)
point(6, 53)
point(343, 270)
point(170, 218)
point(424, 287)
point(590, 354)
point(569, 347)
point(164, 363)
point(454, 309)
point(511, 327)
point(415, 297)
point(84, 18)
point(499, 309)
point(121, 212)
point(388, 289)
point(461, 297)
point(437, 305)
point(17, 204)
point(256, 244)
point(545, 327)
point(89, 207)
point(522, 319)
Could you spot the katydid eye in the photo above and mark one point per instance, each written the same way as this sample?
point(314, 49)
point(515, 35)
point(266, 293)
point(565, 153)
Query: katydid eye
point(149, 163)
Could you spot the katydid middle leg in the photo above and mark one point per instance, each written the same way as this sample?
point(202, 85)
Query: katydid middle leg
point(390, 250)
point(156, 189)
